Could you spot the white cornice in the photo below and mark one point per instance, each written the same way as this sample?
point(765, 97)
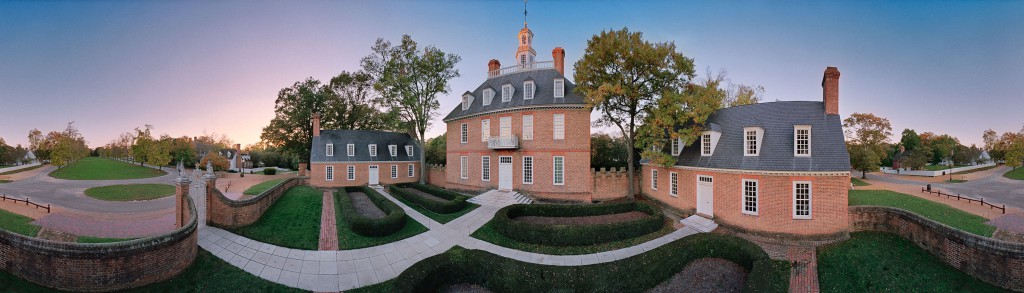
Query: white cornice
point(520, 108)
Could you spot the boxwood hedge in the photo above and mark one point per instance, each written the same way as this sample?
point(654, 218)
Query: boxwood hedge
point(453, 201)
point(393, 220)
point(577, 235)
point(635, 274)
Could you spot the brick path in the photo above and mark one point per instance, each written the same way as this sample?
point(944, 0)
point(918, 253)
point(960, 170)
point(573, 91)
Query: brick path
point(328, 228)
point(134, 225)
point(803, 277)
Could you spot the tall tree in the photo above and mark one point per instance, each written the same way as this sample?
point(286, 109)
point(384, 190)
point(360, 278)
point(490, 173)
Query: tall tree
point(681, 117)
point(866, 135)
point(144, 144)
point(436, 150)
point(354, 104)
point(910, 141)
point(291, 130)
point(607, 151)
point(409, 81)
point(622, 75)
point(740, 94)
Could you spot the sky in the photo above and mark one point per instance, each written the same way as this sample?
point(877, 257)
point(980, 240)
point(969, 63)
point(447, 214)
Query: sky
point(194, 67)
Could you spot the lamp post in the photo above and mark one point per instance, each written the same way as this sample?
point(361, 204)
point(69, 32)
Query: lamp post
point(951, 152)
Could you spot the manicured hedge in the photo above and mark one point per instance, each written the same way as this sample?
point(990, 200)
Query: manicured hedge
point(392, 222)
point(635, 274)
point(454, 201)
point(576, 235)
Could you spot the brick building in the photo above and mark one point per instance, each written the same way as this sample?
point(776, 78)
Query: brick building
point(768, 168)
point(360, 157)
point(522, 129)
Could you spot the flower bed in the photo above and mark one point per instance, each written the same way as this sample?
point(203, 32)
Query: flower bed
point(393, 220)
point(446, 202)
point(575, 235)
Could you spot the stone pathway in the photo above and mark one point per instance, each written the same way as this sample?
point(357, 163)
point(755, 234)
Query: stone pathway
point(328, 226)
point(803, 277)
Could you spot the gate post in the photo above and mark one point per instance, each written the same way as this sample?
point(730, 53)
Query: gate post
point(181, 185)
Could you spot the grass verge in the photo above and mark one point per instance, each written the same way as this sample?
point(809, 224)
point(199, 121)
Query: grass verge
point(348, 239)
point(293, 221)
point(92, 168)
point(5, 181)
point(263, 186)
point(938, 212)
point(956, 181)
point(130, 192)
point(1015, 174)
point(440, 218)
point(885, 262)
point(18, 224)
point(858, 182)
point(976, 170)
point(940, 167)
point(490, 234)
point(22, 170)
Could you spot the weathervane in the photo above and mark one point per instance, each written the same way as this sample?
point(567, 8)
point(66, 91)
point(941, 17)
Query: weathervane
point(524, 13)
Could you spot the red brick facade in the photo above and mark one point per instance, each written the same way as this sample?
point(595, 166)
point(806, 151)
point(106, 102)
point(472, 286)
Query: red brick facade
point(318, 174)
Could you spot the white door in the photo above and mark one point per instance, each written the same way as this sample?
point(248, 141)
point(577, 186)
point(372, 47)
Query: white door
point(505, 173)
point(374, 175)
point(706, 196)
point(506, 127)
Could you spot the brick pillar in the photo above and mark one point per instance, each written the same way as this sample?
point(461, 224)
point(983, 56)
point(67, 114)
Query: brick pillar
point(180, 202)
point(830, 90)
point(302, 169)
point(558, 54)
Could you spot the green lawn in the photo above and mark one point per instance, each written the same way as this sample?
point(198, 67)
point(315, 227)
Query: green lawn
point(18, 224)
point(440, 218)
point(939, 167)
point(938, 212)
point(976, 170)
point(263, 186)
point(858, 182)
point(90, 239)
point(350, 240)
point(489, 234)
point(22, 170)
point(1016, 174)
point(885, 262)
point(293, 221)
point(130, 192)
point(956, 181)
point(92, 168)
point(6, 181)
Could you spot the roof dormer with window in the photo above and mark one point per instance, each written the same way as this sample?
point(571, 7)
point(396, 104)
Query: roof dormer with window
point(529, 89)
point(507, 90)
point(802, 140)
point(559, 88)
point(752, 141)
point(467, 99)
point(393, 150)
point(488, 96)
point(708, 141)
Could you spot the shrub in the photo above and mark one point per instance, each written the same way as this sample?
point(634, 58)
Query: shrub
point(453, 201)
point(393, 220)
point(635, 274)
point(269, 171)
point(577, 235)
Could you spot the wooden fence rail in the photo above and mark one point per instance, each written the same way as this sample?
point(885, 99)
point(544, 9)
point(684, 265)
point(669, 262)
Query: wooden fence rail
point(4, 197)
point(968, 199)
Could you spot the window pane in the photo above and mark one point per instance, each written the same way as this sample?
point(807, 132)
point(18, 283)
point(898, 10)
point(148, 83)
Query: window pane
point(528, 170)
point(559, 121)
point(559, 167)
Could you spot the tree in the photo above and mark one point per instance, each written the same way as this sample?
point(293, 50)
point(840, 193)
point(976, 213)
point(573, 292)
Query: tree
point(352, 103)
point(290, 130)
point(910, 140)
point(866, 135)
point(739, 95)
point(918, 158)
point(622, 76)
point(1015, 158)
point(607, 151)
point(679, 116)
point(220, 163)
point(409, 81)
point(991, 139)
point(159, 152)
point(144, 144)
point(181, 150)
point(436, 150)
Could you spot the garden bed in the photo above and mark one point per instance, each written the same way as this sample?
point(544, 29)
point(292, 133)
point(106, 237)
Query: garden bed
point(705, 275)
point(505, 222)
point(439, 200)
point(584, 220)
point(391, 217)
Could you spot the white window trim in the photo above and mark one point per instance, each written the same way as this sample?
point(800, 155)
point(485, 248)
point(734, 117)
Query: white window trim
point(654, 179)
point(554, 127)
point(743, 197)
point(705, 145)
point(467, 100)
point(713, 141)
point(488, 96)
point(507, 88)
point(351, 172)
point(528, 93)
point(464, 167)
point(393, 149)
point(677, 146)
point(553, 173)
point(464, 138)
point(330, 150)
point(673, 184)
point(810, 200)
point(485, 129)
point(373, 150)
point(351, 148)
point(532, 168)
point(485, 169)
point(809, 140)
point(329, 173)
point(559, 88)
point(527, 132)
point(412, 171)
point(408, 150)
point(759, 134)
point(394, 171)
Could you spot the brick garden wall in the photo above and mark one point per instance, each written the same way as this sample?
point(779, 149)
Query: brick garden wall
point(227, 213)
point(436, 176)
point(993, 261)
point(100, 267)
point(612, 184)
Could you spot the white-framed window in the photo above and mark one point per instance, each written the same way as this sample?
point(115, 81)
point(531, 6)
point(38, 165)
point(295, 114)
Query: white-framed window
point(351, 149)
point(466, 101)
point(801, 199)
point(351, 172)
point(465, 133)
point(330, 173)
point(408, 151)
point(558, 174)
point(464, 167)
point(802, 140)
point(527, 170)
point(373, 150)
point(559, 126)
point(506, 92)
point(485, 168)
point(412, 171)
point(485, 129)
point(330, 150)
point(393, 149)
point(654, 179)
point(488, 96)
point(673, 189)
point(559, 88)
point(505, 126)
point(677, 146)
point(749, 197)
point(528, 90)
point(394, 171)
point(751, 139)
point(705, 145)
point(527, 127)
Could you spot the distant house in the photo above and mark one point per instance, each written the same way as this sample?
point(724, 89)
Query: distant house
point(30, 158)
point(341, 158)
point(899, 159)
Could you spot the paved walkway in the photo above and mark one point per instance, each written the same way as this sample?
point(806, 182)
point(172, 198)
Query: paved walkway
point(328, 226)
point(803, 277)
point(134, 225)
point(349, 269)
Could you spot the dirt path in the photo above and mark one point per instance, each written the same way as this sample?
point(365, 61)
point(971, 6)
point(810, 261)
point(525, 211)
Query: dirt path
point(365, 206)
point(588, 220)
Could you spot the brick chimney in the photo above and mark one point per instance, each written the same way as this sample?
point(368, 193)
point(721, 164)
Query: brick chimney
point(558, 54)
point(493, 65)
point(830, 90)
point(316, 124)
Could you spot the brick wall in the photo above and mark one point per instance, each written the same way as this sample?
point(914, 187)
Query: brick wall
point(775, 201)
point(436, 176)
point(318, 173)
point(993, 261)
point(100, 267)
point(612, 184)
point(224, 212)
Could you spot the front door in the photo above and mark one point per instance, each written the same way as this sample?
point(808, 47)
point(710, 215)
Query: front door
point(505, 173)
point(706, 196)
point(374, 175)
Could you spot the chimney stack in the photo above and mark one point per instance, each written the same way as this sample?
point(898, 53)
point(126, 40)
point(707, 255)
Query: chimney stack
point(559, 56)
point(238, 147)
point(316, 124)
point(830, 90)
point(493, 65)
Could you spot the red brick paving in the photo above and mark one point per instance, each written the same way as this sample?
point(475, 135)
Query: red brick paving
point(1009, 222)
point(133, 225)
point(804, 275)
point(328, 227)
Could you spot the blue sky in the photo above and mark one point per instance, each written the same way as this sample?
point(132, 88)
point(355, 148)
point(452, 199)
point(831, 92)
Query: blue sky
point(192, 66)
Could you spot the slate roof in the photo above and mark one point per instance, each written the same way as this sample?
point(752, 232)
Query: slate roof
point(828, 145)
point(543, 80)
point(362, 139)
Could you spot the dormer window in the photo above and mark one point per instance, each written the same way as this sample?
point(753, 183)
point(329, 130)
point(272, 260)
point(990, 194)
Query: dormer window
point(466, 101)
point(330, 150)
point(677, 146)
point(528, 90)
point(559, 88)
point(752, 141)
point(705, 144)
point(351, 150)
point(488, 96)
point(802, 140)
point(393, 149)
point(408, 152)
point(506, 92)
point(373, 150)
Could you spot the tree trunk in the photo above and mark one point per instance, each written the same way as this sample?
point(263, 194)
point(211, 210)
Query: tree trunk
point(629, 168)
point(423, 159)
point(863, 174)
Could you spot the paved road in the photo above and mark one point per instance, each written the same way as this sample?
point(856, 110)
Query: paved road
point(70, 193)
point(993, 188)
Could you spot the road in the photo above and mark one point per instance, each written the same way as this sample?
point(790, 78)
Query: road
point(70, 194)
point(993, 188)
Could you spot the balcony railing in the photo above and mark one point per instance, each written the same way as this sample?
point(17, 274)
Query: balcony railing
point(503, 142)
point(521, 68)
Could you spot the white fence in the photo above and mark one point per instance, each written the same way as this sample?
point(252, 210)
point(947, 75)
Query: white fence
point(7, 169)
point(933, 173)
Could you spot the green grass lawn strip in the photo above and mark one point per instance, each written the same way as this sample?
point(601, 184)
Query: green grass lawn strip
point(92, 168)
point(130, 192)
point(489, 234)
point(440, 218)
point(940, 167)
point(347, 239)
point(6, 181)
point(976, 170)
point(938, 212)
point(22, 170)
point(956, 181)
point(858, 182)
point(885, 262)
point(90, 239)
point(1016, 174)
point(293, 221)
point(18, 224)
point(263, 186)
